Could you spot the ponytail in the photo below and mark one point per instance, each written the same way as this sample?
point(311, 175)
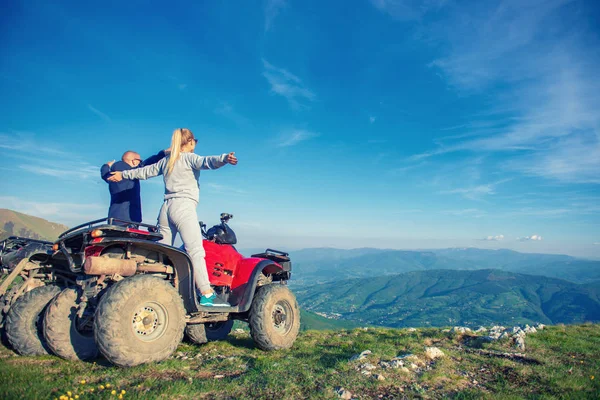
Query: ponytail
point(180, 138)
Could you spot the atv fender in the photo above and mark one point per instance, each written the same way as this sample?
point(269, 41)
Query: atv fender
point(246, 280)
point(40, 249)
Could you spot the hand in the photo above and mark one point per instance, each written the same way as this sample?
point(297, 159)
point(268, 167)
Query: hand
point(110, 163)
point(231, 158)
point(115, 176)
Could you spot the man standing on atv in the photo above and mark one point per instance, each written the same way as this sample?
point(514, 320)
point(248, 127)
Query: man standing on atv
point(125, 199)
point(181, 171)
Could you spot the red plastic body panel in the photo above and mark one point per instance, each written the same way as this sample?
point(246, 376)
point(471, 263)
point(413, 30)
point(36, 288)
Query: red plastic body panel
point(221, 262)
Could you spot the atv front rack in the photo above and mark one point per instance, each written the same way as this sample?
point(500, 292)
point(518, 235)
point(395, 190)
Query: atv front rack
point(279, 257)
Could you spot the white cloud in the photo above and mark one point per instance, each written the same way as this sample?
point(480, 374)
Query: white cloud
point(597, 244)
point(530, 238)
point(406, 10)
point(222, 189)
point(467, 212)
point(67, 213)
point(294, 136)
point(475, 192)
point(545, 115)
point(496, 238)
point(66, 171)
point(288, 85)
point(99, 113)
point(372, 119)
point(227, 110)
point(272, 10)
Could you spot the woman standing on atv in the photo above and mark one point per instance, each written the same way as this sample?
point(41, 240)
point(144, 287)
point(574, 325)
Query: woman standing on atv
point(181, 170)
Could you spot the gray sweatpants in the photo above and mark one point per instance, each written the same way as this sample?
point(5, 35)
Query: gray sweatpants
point(179, 215)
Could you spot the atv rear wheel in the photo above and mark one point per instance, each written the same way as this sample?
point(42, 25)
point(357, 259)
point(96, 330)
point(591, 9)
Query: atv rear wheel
point(209, 332)
point(139, 320)
point(67, 335)
point(25, 319)
point(274, 317)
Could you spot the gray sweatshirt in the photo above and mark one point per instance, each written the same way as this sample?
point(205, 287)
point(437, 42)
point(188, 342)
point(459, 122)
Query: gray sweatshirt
point(183, 179)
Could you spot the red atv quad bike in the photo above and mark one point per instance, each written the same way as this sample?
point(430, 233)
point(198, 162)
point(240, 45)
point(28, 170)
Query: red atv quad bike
point(135, 297)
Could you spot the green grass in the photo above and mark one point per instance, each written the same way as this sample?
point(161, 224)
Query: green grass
point(568, 357)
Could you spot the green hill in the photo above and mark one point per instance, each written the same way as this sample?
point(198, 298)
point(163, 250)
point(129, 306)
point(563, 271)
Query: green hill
point(312, 321)
point(446, 297)
point(559, 362)
point(13, 223)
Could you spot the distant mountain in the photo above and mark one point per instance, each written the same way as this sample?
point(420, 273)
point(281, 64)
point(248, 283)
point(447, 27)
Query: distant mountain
point(446, 297)
point(322, 265)
point(14, 223)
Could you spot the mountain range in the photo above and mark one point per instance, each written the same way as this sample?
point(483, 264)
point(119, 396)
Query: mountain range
point(321, 265)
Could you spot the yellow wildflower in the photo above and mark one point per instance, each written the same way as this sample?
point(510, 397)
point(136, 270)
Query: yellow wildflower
point(76, 396)
point(123, 391)
point(592, 377)
point(82, 382)
point(113, 392)
point(101, 387)
point(120, 396)
point(92, 390)
point(107, 385)
point(69, 394)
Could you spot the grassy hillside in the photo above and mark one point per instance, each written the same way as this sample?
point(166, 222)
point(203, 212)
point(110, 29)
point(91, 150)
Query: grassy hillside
point(559, 362)
point(312, 321)
point(18, 224)
point(444, 297)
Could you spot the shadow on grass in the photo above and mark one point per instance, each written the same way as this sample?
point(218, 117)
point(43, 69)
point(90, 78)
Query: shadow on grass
point(245, 342)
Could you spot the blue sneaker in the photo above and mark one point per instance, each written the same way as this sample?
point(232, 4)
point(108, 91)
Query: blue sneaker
point(213, 301)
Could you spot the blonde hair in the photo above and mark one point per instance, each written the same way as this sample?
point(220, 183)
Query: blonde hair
point(181, 137)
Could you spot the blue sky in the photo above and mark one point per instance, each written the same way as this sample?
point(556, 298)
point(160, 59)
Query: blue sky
point(384, 123)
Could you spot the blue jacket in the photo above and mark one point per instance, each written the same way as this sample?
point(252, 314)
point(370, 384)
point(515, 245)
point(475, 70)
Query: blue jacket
point(125, 199)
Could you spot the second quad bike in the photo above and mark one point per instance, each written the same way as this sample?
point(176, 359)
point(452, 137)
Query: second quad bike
point(28, 282)
point(133, 298)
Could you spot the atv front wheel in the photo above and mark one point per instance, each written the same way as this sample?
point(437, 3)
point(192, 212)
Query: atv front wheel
point(25, 319)
point(139, 320)
point(274, 317)
point(67, 335)
point(209, 332)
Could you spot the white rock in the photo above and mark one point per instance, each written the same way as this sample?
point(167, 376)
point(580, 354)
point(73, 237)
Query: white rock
point(433, 352)
point(414, 366)
point(360, 356)
point(505, 335)
point(366, 373)
point(481, 330)
point(411, 330)
point(219, 376)
point(379, 377)
point(396, 364)
point(404, 369)
point(530, 329)
point(520, 343)
point(460, 329)
point(344, 394)
point(239, 331)
point(540, 327)
point(368, 367)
